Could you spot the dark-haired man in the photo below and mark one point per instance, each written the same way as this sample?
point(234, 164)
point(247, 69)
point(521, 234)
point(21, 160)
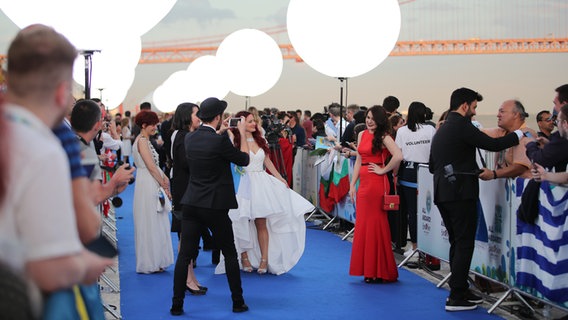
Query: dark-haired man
point(545, 123)
point(86, 122)
point(552, 153)
point(456, 187)
point(208, 197)
point(391, 104)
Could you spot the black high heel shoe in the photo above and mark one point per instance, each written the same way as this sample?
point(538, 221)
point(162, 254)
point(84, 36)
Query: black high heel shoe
point(198, 292)
point(203, 288)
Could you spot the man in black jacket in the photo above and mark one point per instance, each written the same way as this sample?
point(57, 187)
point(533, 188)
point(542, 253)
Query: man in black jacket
point(552, 153)
point(456, 187)
point(208, 197)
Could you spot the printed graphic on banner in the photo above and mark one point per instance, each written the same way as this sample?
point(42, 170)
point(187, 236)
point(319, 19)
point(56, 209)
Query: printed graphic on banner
point(492, 253)
point(542, 247)
point(432, 234)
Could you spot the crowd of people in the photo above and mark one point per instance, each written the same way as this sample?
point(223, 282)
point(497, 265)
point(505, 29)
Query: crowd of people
point(186, 165)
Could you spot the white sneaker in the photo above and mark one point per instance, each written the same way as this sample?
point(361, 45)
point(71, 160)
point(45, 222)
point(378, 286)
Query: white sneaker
point(408, 252)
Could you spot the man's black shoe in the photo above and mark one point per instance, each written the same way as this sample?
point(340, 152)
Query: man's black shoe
point(176, 310)
point(240, 308)
point(473, 298)
point(459, 305)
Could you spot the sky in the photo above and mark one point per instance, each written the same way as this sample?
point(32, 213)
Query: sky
point(531, 78)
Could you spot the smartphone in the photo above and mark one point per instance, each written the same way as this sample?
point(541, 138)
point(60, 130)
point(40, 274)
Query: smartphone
point(527, 134)
point(233, 122)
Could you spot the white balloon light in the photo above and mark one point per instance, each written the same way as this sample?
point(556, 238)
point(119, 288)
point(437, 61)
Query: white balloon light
point(113, 68)
point(171, 93)
point(81, 16)
point(205, 79)
point(97, 25)
point(343, 38)
point(252, 62)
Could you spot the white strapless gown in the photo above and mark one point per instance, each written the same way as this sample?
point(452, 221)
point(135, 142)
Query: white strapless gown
point(261, 195)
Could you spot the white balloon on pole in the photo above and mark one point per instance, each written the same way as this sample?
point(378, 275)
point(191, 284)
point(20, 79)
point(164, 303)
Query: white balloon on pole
point(251, 60)
point(343, 38)
point(205, 79)
point(171, 93)
point(96, 25)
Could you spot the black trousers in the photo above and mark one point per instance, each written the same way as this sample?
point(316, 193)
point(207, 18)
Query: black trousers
point(409, 196)
point(220, 224)
point(460, 219)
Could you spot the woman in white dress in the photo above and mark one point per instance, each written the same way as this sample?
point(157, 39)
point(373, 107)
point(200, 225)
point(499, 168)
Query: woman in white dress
point(153, 243)
point(126, 140)
point(269, 226)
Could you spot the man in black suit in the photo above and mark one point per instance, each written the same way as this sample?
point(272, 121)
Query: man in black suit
point(456, 187)
point(208, 197)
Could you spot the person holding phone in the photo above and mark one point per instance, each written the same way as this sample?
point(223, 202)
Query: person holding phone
point(511, 162)
point(268, 225)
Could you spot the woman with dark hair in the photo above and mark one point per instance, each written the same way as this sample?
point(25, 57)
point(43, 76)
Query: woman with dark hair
point(185, 120)
point(396, 122)
point(414, 140)
point(153, 243)
point(268, 225)
point(371, 254)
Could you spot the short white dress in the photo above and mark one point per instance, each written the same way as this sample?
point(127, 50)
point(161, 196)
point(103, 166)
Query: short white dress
point(261, 195)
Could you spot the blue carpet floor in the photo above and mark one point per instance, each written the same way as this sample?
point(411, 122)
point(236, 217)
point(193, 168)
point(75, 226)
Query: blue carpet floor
point(318, 287)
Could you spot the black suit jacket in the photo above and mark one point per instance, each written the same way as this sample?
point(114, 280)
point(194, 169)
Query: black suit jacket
point(553, 154)
point(455, 143)
point(209, 156)
point(180, 176)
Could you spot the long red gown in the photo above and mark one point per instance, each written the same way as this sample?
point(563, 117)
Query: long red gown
point(371, 254)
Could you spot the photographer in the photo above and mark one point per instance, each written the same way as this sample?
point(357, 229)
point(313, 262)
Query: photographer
point(85, 120)
point(280, 142)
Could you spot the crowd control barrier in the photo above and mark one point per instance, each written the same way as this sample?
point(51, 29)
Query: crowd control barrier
point(528, 259)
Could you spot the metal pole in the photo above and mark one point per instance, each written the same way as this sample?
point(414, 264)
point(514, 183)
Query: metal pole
point(88, 64)
point(88, 54)
point(341, 79)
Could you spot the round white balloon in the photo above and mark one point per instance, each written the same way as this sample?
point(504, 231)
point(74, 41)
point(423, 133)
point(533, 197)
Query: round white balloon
point(206, 78)
point(343, 38)
point(252, 62)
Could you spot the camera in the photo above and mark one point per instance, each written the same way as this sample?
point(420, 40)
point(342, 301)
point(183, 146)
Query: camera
point(233, 122)
point(275, 129)
point(116, 200)
point(449, 173)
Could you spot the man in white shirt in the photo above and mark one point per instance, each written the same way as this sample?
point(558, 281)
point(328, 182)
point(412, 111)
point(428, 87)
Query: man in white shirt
point(38, 231)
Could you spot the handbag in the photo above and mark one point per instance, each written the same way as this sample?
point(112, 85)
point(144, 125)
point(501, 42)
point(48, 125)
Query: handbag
point(81, 302)
point(164, 203)
point(391, 202)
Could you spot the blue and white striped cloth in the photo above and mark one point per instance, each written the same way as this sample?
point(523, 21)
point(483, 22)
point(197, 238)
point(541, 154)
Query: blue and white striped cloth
point(542, 248)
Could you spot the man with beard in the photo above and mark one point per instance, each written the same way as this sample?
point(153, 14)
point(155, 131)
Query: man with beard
point(208, 197)
point(456, 187)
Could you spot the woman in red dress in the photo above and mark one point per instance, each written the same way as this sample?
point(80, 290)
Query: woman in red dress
point(371, 255)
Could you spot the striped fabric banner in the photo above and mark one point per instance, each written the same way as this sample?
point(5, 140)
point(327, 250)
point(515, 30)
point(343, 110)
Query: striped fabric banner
point(542, 248)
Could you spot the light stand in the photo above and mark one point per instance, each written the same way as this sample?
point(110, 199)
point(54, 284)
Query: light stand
point(247, 102)
point(101, 93)
point(341, 79)
point(88, 70)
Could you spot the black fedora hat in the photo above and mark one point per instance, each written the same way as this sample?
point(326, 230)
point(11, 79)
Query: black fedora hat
point(211, 107)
